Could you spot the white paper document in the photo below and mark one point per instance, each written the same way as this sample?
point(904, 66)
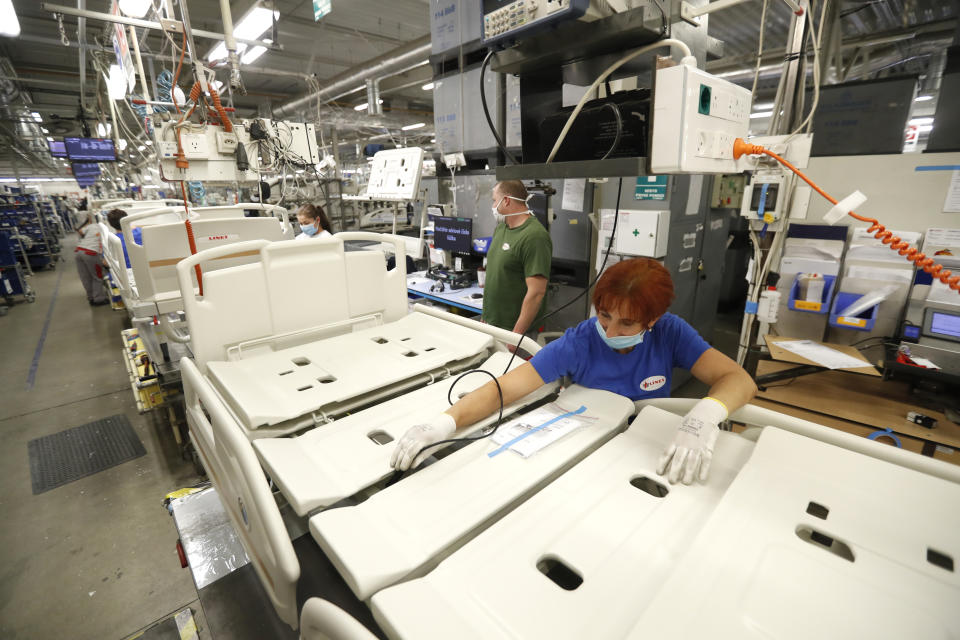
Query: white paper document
point(951, 203)
point(923, 362)
point(531, 432)
point(822, 355)
point(573, 190)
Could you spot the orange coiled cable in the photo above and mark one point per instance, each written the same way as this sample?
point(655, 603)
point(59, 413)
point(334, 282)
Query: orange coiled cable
point(190, 239)
point(878, 230)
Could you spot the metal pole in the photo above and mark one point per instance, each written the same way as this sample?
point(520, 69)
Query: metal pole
point(143, 76)
point(82, 40)
point(146, 24)
point(786, 90)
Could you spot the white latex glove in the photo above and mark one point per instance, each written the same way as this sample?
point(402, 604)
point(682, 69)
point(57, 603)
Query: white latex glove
point(691, 451)
point(407, 452)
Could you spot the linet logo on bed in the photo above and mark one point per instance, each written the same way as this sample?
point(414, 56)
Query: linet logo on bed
point(653, 382)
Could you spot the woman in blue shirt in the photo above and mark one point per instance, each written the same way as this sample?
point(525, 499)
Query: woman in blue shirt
point(630, 348)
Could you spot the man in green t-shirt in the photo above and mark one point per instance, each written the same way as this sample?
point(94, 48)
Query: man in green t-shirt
point(518, 262)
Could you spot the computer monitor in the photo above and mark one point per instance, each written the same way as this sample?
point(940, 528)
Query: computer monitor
point(453, 234)
point(85, 169)
point(58, 149)
point(941, 324)
point(95, 149)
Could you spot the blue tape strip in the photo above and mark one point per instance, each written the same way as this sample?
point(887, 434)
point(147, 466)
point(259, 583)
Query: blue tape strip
point(509, 444)
point(939, 167)
point(886, 433)
point(751, 307)
point(32, 375)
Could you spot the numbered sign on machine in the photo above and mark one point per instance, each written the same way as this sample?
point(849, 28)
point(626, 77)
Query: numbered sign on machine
point(395, 174)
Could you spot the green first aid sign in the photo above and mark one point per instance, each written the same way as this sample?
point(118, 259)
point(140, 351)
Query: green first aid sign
point(651, 188)
point(320, 9)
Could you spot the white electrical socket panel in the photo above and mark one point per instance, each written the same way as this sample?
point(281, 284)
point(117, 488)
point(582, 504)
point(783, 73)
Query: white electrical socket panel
point(454, 160)
point(395, 174)
point(210, 152)
point(696, 118)
point(194, 146)
point(641, 233)
point(776, 186)
point(226, 142)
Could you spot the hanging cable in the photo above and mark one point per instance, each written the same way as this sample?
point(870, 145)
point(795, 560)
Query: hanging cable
point(190, 239)
point(486, 111)
point(878, 230)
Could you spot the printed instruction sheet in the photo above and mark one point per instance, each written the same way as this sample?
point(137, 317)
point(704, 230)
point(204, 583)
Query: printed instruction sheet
point(531, 432)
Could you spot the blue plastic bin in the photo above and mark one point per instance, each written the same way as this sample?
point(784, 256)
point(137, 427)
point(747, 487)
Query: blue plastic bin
point(863, 321)
point(795, 304)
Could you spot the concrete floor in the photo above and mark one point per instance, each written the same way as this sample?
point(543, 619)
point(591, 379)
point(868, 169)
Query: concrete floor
point(95, 558)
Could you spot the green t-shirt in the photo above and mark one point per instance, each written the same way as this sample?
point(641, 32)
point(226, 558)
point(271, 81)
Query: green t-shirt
point(514, 255)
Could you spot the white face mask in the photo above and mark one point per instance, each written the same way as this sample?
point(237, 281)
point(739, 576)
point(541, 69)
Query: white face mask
point(500, 217)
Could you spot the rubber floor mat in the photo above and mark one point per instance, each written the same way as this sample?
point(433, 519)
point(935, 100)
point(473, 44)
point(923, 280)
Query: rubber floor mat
point(61, 458)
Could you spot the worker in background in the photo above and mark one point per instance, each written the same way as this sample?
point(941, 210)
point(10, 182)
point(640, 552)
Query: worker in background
point(313, 222)
point(630, 348)
point(518, 262)
point(113, 217)
point(88, 262)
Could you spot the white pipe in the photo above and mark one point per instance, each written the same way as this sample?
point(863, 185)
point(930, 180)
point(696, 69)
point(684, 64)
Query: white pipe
point(143, 76)
point(236, 82)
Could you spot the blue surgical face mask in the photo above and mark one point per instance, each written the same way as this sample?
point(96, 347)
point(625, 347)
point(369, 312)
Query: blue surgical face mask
point(619, 342)
point(308, 229)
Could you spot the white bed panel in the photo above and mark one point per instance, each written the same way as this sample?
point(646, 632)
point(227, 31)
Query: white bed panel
point(622, 541)
point(297, 289)
point(306, 280)
point(274, 387)
point(769, 583)
point(339, 459)
point(401, 529)
point(166, 244)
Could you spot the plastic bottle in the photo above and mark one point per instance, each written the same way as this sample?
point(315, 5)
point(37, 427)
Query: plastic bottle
point(767, 305)
point(482, 273)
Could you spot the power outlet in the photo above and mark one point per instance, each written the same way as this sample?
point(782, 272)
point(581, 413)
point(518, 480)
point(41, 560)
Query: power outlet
point(167, 149)
point(226, 143)
point(194, 146)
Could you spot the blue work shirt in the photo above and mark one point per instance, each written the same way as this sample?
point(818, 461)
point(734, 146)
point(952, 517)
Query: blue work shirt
point(642, 373)
point(137, 237)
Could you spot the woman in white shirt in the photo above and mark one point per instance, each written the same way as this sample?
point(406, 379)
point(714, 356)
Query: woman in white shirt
point(313, 222)
point(88, 262)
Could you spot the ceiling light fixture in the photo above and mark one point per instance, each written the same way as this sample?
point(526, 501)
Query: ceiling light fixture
point(427, 86)
point(9, 25)
point(135, 8)
point(36, 116)
point(253, 25)
point(413, 126)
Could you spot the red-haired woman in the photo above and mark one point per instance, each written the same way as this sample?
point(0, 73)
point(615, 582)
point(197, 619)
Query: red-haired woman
point(630, 348)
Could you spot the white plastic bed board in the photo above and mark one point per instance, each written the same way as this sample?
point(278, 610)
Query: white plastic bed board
point(818, 542)
point(339, 459)
point(236, 473)
point(266, 298)
point(271, 388)
point(395, 174)
point(402, 529)
point(164, 245)
point(603, 521)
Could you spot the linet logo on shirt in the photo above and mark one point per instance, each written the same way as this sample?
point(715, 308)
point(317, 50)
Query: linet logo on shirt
point(506, 246)
point(653, 382)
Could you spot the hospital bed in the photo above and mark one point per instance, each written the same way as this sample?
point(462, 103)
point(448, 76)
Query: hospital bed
point(299, 364)
point(582, 539)
point(149, 288)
